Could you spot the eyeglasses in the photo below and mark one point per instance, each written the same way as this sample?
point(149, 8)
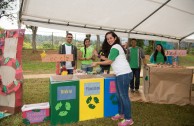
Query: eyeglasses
point(69, 37)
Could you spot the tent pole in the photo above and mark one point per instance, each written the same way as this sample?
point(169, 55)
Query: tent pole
point(128, 43)
point(21, 2)
point(149, 16)
point(179, 43)
point(95, 28)
point(186, 36)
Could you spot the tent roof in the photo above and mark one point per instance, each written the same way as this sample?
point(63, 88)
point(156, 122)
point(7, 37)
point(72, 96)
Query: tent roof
point(166, 20)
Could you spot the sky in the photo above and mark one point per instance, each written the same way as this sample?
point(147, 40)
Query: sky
point(6, 24)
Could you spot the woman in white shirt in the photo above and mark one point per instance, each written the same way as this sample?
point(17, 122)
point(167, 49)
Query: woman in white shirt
point(121, 68)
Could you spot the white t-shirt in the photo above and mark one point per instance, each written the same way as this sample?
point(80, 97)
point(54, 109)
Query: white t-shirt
point(120, 65)
point(68, 64)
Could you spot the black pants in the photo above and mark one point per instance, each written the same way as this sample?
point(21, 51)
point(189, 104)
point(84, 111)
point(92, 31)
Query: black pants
point(136, 78)
point(105, 68)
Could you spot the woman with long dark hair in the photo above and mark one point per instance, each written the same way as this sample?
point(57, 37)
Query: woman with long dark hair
point(158, 57)
point(121, 68)
point(103, 55)
point(86, 56)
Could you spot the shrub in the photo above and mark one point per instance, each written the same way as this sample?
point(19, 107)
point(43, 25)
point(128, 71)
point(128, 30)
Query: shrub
point(27, 45)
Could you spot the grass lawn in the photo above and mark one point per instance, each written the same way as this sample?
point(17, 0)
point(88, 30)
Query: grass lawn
point(144, 114)
point(187, 60)
point(32, 64)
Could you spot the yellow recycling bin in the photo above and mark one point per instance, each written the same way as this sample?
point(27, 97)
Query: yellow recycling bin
point(91, 97)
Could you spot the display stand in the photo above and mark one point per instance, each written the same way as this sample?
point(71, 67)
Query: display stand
point(11, 76)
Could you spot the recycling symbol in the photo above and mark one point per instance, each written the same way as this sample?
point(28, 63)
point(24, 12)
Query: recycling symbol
point(89, 100)
point(147, 77)
point(113, 99)
point(63, 111)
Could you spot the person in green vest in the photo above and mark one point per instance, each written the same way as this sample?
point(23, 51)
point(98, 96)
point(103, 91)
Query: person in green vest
point(158, 57)
point(135, 55)
point(86, 56)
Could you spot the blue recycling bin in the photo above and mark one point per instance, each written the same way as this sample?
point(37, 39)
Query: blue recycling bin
point(110, 99)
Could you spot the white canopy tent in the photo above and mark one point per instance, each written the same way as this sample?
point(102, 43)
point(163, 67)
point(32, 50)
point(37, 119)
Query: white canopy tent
point(166, 20)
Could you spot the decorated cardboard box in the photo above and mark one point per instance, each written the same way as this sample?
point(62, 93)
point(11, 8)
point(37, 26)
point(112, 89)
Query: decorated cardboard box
point(110, 98)
point(35, 113)
point(167, 84)
point(64, 99)
point(11, 76)
point(91, 97)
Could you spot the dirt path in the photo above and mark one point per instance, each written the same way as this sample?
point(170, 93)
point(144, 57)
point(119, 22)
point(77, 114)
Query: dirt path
point(31, 76)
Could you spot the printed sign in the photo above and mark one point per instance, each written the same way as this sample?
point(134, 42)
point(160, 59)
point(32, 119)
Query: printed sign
point(92, 88)
point(66, 93)
point(57, 57)
point(10, 48)
point(176, 52)
point(112, 87)
point(34, 117)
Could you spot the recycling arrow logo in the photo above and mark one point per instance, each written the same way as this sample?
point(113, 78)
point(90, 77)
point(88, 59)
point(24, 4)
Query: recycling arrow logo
point(63, 111)
point(89, 100)
point(113, 99)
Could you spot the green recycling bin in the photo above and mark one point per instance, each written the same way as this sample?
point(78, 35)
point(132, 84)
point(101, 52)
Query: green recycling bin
point(64, 99)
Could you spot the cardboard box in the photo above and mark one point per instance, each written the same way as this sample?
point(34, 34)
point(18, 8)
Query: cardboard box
point(35, 113)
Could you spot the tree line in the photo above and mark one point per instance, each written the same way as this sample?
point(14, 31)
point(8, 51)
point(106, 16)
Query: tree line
point(43, 38)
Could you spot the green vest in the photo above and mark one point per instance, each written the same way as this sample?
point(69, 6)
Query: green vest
point(89, 53)
point(159, 58)
point(134, 57)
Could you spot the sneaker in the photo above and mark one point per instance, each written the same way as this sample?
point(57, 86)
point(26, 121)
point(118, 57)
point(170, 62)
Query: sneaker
point(117, 117)
point(126, 122)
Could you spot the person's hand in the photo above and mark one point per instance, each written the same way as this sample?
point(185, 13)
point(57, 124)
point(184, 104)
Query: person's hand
point(89, 58)
point(103, 57)
point(95, 53)
point(94, 64)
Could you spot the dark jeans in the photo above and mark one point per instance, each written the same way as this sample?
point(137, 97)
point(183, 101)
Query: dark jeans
point(105, 68)
point(87, 68)
point(136, 77)
point(70, 71)
point(122, 88)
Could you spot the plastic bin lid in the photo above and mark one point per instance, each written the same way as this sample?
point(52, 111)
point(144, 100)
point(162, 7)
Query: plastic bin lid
point(35, 106)
point(60, 78)
point(108, 75)
point(88, 76)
